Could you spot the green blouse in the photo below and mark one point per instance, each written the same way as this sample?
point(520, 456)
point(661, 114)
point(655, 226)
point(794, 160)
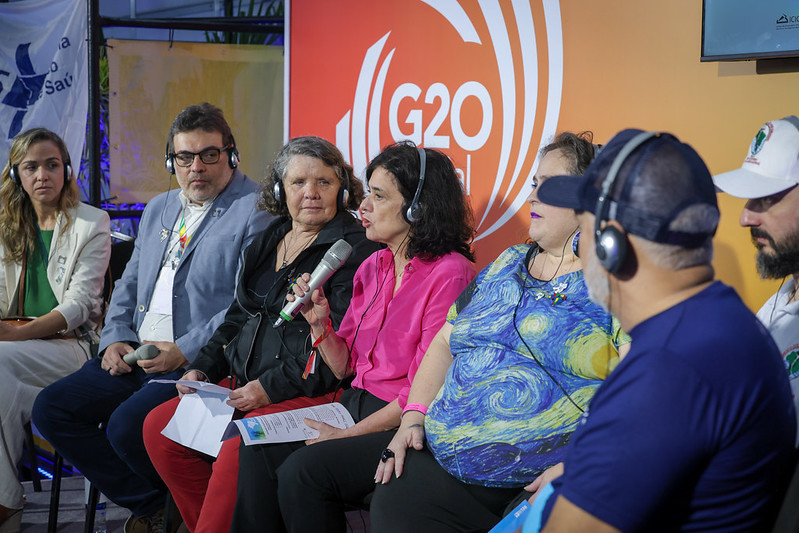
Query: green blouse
point(39, 298)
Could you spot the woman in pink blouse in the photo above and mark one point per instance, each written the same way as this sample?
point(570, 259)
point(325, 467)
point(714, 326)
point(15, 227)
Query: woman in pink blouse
point(400, 299)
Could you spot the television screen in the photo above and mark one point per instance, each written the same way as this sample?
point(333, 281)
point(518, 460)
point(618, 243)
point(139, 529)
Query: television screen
point(749, 29)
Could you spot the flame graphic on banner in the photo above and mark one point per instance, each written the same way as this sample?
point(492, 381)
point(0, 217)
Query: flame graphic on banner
point(358, 131)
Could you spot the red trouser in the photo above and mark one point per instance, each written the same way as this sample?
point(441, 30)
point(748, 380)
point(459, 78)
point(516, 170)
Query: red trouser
point(194, 478)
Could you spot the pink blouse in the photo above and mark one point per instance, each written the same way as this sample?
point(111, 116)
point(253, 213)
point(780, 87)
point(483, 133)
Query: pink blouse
point(389, 333)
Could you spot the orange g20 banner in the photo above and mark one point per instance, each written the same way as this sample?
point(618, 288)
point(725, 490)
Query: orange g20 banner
point(479, 79)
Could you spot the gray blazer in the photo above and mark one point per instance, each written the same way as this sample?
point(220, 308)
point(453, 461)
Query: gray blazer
point(205, 278)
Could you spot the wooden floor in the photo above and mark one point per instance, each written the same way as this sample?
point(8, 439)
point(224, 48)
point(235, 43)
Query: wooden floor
point(72, 510)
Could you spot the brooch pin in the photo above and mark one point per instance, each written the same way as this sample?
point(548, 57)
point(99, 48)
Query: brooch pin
point(557, 297)
point(164, 234)
point(557, 293)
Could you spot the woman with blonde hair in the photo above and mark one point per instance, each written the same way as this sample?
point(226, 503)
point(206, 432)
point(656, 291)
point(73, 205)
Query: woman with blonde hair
point(54, 253)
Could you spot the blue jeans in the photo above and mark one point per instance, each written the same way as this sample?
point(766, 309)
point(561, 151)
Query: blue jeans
point(68, 412)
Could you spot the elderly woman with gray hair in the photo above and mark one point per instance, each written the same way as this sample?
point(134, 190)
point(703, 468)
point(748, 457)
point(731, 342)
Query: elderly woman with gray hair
point(311, 189)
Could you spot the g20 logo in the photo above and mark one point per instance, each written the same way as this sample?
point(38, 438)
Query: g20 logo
point(491, 113)
point(452, 108)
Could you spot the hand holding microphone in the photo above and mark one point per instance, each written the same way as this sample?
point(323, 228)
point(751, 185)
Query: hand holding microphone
point(335, 257)
point(317, 309)
point(145, 351)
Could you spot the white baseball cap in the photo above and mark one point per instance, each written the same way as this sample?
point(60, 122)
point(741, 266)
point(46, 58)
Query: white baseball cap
point(772, 164)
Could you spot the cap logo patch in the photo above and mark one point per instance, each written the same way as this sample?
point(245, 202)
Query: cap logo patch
point(791, 360)
point(760, 138)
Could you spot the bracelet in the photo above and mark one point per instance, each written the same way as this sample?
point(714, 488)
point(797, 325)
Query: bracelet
point(415, 407)
point(325, 334)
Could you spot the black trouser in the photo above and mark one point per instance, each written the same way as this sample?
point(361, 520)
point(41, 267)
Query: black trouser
point(426, 498)
point(318, 483)
point(256, 495)
point(261, 475)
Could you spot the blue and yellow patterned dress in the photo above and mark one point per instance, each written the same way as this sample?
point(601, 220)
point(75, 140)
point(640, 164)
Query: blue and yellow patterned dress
point(500, 418)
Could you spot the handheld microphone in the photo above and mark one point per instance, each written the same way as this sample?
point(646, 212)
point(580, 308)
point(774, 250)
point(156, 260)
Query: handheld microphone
point(335, 257)
point(145, 351)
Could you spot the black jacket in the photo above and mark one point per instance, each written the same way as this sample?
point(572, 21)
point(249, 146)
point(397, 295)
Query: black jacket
point(248, 347)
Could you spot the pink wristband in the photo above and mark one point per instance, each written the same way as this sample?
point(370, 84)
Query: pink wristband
point(415, 407)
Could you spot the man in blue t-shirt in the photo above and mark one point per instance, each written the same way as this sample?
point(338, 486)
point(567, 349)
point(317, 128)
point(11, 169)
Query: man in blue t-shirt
point(694, 429)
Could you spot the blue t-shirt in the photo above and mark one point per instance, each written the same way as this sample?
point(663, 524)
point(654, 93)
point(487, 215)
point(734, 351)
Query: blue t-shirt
point(500, 417)
point(693, 431)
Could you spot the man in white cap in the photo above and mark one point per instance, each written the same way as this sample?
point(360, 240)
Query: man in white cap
point(768, 180)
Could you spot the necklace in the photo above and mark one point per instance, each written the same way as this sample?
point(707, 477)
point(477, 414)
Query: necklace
point(288, 243)
point(557, 295)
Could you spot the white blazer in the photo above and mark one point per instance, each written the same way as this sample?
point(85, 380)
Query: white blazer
point(76, 268)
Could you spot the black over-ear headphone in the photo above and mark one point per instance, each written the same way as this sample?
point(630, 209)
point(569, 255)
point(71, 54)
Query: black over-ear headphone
point(411, 212)
point(343, 192)
point(232, 156)
point(13, 173)
point(611, 244)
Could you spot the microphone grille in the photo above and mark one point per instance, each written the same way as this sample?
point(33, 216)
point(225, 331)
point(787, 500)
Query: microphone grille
point(340, 251)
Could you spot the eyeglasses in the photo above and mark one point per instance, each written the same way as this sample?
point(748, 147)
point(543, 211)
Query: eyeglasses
point(209, 156)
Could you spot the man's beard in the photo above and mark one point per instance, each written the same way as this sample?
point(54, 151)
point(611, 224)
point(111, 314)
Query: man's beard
point(783, 261)
point(597, 282)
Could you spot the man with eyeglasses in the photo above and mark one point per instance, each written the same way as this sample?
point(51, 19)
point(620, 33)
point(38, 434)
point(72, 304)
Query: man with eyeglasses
point(173, 294)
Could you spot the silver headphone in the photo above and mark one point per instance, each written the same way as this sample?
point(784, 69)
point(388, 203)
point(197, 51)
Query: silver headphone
point(343, 191)
point(13, 173)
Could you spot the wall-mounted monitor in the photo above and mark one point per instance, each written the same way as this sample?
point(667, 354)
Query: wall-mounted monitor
point(749, 29)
